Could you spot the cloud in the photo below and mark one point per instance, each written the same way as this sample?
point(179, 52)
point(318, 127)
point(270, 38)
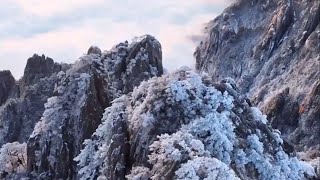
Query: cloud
point(64, 30)
point(45, 8)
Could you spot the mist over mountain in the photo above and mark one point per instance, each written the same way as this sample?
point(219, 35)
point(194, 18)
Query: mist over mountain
point(249, 110)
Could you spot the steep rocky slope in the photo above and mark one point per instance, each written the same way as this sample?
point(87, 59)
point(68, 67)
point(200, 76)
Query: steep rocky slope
point(79, 98)
point(67, 101)
point(183, 126)
point(272, 50)
point(25, 104)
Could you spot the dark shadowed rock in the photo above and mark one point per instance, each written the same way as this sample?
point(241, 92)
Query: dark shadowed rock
point(8, 87)
point(38, 67)
point(19, 114)
point(94, 50)
point(308, 132)
point(144, 60)
point(282, 111)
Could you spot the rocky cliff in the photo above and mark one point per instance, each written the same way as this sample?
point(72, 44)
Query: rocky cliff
point(55, 107)
point(25, 100)
point(271, 49)
point(79, 98)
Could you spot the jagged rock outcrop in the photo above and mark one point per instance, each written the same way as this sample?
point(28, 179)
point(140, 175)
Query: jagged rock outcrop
point(183, 126)
point(272, 50)
point(19, 114)
point(39, 67)
point(94, 50)
point(8, 87)
point(80, 96)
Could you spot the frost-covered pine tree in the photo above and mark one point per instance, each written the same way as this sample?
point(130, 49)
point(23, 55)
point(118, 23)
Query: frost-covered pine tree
point(13, 159)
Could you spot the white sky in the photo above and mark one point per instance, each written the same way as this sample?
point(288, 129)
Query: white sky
point(65, 29)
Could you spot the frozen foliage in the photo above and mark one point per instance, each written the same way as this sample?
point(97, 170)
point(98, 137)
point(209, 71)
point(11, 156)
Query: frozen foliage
point(280, 167)
point(216, 132)
point(53, 133)
point(205, 168)
point(56, 109)
point(93, 158)
point(309, 157)
point(172, 149)
point(127, 64)
point(13, 159)
point(257, 114)
point(139, 173)
point(180, 126)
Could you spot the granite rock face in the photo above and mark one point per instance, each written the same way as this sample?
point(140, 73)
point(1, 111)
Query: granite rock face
point(79, 98)
point(8, 87)
point(272, 50)
point(19, 114)
point(38, 67)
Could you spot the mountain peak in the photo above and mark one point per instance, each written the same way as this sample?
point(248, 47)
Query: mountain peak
point(94, 50)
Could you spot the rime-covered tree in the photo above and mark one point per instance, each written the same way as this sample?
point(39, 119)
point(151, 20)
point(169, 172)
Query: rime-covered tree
point(13, 158)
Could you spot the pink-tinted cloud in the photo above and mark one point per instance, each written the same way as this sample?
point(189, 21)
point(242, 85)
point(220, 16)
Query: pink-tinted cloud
point(50, 8)
point(121, 22)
